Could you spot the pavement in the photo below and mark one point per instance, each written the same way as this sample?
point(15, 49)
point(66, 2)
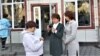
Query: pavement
point(85, 50)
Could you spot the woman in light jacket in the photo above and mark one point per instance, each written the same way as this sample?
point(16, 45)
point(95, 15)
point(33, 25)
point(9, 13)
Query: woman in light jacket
point(33, 44)
point(70, 31)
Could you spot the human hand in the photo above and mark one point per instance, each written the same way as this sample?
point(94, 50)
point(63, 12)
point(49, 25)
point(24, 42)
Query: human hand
point(41, 39)
point(54, 30)
point(64, 41)
point(48, 28)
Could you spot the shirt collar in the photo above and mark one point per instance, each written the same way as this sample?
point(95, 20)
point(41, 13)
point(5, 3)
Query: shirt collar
point(56, 23)
point(32, 33)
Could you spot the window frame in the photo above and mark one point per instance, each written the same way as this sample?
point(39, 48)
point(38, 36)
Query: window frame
point(12, 12)
point(92, 22)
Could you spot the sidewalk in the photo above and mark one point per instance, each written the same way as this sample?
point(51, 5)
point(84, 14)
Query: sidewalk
point(85, 50)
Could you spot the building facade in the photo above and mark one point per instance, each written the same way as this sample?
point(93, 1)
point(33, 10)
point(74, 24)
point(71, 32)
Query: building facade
point(40, 11)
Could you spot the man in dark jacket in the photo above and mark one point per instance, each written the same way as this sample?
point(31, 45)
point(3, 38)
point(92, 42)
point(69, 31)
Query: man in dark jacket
point(56, 36)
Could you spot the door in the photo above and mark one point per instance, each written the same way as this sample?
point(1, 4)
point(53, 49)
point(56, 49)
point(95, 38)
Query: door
point(37, 19)
point(41, 15)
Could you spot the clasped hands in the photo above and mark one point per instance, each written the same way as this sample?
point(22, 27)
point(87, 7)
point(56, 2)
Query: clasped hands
point(52, 29)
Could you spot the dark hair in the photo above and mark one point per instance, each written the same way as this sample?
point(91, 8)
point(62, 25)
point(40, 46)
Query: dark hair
point(30, 24)
point(70, 14)
point(55, 15)
point(5, 15)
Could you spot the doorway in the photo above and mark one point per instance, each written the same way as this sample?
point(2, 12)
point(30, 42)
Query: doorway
point(45, 19)
point(41, 15)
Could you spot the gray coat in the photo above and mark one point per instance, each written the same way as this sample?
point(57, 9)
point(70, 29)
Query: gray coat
point(56, 41)
point(71, 39)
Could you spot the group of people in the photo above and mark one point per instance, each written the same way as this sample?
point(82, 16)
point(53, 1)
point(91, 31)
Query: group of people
point(59, 34)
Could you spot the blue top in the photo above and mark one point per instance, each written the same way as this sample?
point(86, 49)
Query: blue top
point(4, 27)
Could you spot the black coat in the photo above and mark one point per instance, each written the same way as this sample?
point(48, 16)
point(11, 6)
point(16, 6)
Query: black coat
point(56, 48)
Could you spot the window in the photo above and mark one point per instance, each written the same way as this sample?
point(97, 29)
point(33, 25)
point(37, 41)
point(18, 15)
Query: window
point(16, 12)
point(19, 18)
point(18, 0)
point(70, 6)
point(6, 1)
point(83, 11)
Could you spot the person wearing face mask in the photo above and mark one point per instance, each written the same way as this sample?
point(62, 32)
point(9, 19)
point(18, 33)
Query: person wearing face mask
point(56, 35)
point(33, 44)
point(70, 41)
